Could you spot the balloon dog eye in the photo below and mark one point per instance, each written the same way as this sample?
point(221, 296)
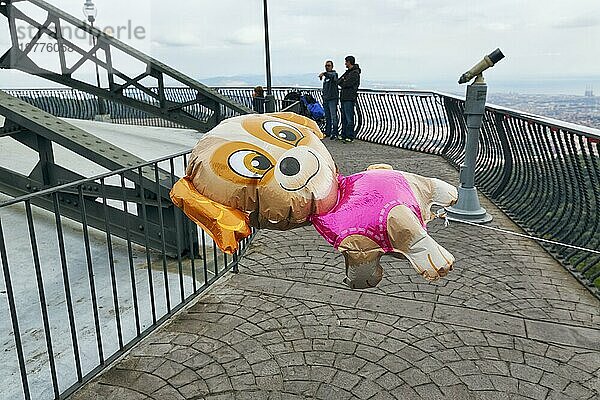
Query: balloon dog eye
point(249, 163)
point(284, 132)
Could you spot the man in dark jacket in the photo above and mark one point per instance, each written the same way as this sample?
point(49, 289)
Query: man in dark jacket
point(349, 82)
point(330, 99)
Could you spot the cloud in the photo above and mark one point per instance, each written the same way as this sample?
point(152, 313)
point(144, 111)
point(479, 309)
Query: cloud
point(177, 39)
point(578, 22)
point(246, 36)
point(499, 26)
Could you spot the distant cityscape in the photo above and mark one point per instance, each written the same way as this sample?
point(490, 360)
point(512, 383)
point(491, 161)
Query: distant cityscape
point(582, 110)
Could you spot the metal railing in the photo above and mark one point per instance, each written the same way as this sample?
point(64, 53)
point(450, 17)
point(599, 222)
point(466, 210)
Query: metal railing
point(78, 298)
point(543, 173)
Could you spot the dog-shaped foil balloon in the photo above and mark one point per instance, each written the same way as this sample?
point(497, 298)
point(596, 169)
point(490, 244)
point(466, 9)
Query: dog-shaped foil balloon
point(272, 171)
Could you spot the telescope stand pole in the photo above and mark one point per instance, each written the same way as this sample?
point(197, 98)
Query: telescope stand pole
point(468, 207)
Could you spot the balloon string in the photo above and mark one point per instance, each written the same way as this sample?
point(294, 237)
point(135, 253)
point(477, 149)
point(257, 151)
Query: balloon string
point(507, 232)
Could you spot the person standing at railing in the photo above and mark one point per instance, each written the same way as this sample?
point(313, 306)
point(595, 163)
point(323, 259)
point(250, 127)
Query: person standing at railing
point(349, 82)
point(258, 100)
point(331, 96)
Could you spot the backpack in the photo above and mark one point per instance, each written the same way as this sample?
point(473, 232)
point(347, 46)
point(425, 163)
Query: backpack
point(316, 110)
point(293, 97)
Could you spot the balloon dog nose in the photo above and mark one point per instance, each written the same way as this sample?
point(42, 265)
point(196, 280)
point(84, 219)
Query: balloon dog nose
point(289, 166)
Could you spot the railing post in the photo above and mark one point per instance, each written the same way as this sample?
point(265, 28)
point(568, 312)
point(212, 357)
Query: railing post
point(450, 108)
point(506, 154)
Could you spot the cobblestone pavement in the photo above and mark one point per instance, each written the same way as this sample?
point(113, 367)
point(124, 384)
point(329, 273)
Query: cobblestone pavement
point(507, 323)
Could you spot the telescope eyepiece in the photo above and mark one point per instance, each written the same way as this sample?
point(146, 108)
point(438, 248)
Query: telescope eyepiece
point(496, 56)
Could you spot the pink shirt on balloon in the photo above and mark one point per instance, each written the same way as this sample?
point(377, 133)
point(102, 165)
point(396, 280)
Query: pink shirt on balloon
point(364, 202)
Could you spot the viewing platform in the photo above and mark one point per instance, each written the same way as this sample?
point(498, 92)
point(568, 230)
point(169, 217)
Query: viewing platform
point(509, 322)
point(109, 291)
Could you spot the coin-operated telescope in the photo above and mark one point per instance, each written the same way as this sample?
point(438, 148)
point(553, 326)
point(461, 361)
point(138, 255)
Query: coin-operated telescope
point(468, 208)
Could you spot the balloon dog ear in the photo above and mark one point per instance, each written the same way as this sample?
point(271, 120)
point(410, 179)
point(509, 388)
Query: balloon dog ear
point(300, 120)
point(226, 225)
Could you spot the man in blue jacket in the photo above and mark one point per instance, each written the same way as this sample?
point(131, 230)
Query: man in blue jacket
point(330, 99)
point(349, 82)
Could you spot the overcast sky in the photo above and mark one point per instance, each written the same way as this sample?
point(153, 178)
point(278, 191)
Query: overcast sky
point(410, 41)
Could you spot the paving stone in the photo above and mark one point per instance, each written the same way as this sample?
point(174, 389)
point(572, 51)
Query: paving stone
point(554, 381)
point(169, 369)
point(322, 374)
point(289, 359)
point(194, 389)
point(383, 396)
point(578, 391)
point(458, 392)
point(477, 382)
point(430, 392)
point(141, 363)
point(237, 367)
point(349, 363)
point(366, 389)
point(198, 361)
point(329, 391)
point(447, 356)
point(515, 356)
point(389, 381)
point(444, 377)
point(466, 367)
point(472, 338)
point(562, 334)
point(344, 347)
point(219, 383)
point(487, 353)
point(394, 363)
point(467, 353)
point(414, 377)
point(505, 384)
point(540, 362)
point(525, 372)
point(395, 306)
point(265, 368)
point(167, 392)
point(369, 353)
point(106, 392)
point(411, 354)
point(500, 340)
point(532, 391)
point(304, 388)
point(138, 381)
point(273, 382)
point(589, 361)
point(210, 370)
point(492, 367)
point(371, 371)
point(242, 382)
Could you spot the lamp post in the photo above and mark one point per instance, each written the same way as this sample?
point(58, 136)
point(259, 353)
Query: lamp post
point(269, 98)
point(90, 11)
point(468, 208)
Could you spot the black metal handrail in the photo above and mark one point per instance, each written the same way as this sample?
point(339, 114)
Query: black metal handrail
point(543, 173)
point(90, 295)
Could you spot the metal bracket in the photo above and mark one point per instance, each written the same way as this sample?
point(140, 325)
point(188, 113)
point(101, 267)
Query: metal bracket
point(38, 130)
